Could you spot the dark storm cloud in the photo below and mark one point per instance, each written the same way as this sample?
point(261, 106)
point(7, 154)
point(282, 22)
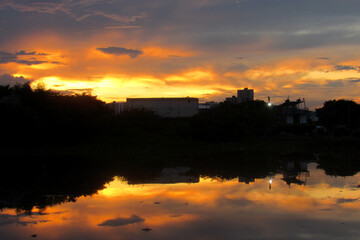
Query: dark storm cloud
point(251, 227)
point(329, 84)
point(24, 53)
point(287, 41)
point(335, 83)
point(323, 58)
point(133, 53)
point(66, 18)
point(7, 79)
point(354, 80)
point(238, 67)
point(174, 56)
point(279, 22)
point(75, 91)
point(307, 85)
point(122, 221)
point(78, 10)
point(7, 57)
point(326, 209)
point(30, 62)
point(7, 219)
point(346, 200)
point(237, 202)
point(346, 67)
point(207, 24)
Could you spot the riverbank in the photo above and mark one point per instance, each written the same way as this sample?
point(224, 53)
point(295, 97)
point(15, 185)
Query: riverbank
point(160, 148)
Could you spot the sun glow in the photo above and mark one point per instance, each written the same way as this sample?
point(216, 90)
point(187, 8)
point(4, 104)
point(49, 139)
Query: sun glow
point(120, 87)
point(22, 75)
point(44, 66)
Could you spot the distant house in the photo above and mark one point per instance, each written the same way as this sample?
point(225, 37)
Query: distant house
point(295, 117)
point(232, 99)
point(295, 113)
point(246, 180)
point(166, 107)
point(244, 95)
point(295, 172)
point(203, 107)
point(166, 176)
point(117, 107)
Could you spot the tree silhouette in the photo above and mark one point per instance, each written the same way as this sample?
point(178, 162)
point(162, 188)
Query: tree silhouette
point(233, 122)
point(340, 116)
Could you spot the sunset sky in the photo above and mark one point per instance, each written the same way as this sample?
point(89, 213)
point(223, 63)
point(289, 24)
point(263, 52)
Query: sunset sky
point(176, 48)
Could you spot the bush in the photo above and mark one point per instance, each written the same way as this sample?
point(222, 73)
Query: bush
point(340, 115)
point(234, 122)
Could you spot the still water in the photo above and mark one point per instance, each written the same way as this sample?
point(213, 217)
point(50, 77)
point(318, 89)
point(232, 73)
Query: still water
point(298, 201)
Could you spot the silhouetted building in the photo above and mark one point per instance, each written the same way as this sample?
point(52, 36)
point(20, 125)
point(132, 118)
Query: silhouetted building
point(232, 99)
point(207, 105)
point(166, 107)
point(296, 113)
point(242, 96)
point(118, 107)
point(246, 180)
point(168, 176)
point(295, 172)
point(245, 95)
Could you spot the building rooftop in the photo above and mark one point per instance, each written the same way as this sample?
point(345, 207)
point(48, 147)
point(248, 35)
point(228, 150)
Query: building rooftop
point(162, 98)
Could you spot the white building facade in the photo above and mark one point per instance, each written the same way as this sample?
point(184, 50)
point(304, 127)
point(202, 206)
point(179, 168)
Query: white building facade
point(166, 107)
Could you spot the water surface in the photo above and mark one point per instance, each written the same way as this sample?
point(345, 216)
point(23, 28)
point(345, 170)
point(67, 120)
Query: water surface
point(298, 201)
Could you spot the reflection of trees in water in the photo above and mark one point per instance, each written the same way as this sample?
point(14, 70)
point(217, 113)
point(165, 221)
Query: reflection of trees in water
point(47, 182)
point(339, 164)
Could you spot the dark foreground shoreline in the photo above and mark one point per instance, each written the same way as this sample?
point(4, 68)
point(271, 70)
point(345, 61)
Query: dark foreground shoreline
point(43, 176)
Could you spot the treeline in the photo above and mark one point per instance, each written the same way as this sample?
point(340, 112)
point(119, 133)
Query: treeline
point(37, 117)
point(31, 117)
point(340, 117)
point(234, 122)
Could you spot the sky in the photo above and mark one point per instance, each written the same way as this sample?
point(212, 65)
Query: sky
point(207, 49)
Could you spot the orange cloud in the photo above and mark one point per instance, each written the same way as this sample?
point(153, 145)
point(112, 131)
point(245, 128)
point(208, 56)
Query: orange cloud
point(173, 71)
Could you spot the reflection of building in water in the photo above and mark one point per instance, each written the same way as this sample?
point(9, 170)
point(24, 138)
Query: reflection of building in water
point(295, 172)
point(168, 176)
point(246, 180)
